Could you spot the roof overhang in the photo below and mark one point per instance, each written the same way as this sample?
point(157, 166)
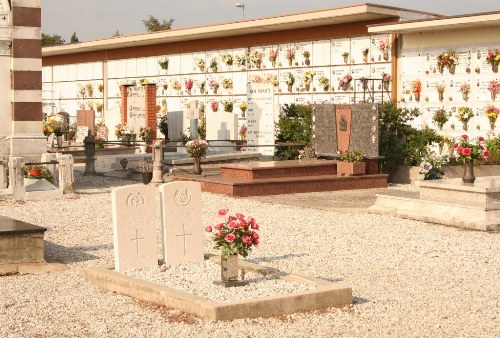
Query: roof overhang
point(440, 24)
point(341, 15)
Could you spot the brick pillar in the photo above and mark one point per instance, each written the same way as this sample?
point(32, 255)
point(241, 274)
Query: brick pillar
point(343, 118)
point(150, 95)
point(123, 91)
point(26, 137)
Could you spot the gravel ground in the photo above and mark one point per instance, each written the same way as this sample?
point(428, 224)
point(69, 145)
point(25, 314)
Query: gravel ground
point(409, 278)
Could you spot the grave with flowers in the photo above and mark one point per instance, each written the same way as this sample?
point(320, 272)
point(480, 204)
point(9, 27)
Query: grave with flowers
point(214, 287)
point(467, 202)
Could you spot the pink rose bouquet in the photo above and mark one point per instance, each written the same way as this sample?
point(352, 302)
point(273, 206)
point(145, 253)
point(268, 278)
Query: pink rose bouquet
point(236, 236)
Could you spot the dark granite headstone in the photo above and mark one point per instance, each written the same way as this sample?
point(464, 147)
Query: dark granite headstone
point(325, 129)
point(364, 129)
point(356, 125)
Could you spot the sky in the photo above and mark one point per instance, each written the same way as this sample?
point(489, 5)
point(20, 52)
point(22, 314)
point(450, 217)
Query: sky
point(97, 19)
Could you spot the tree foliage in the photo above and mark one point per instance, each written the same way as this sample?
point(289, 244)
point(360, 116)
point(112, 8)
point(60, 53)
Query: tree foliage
point(52, 40)
point(74, 38)
point(152, 24)
point(294, 125)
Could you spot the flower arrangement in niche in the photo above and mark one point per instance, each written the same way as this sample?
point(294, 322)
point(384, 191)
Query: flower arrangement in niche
point(256, 59)
point(227, 59)
point(188, 84)
point(384, 46)
point(90, 89)
point(493, 58)
point(494, 88)
point(243, 132)
point(430, 167)
point(241, 61)
point(468, 150)
point(201, 64)
point(447, 59)
point(464, 115)
point(235, 236)
point(416, 89)
point(163, 62)
point(176, 85)
point(465, 89)
point(440, 117)
point(307, 78)
point(273, 55)
point(214, 65)
point(345, 56)
point(215, 106)
point(386, 79)
point(290, 80)
point(345, 82)
point(145, 133)
point(214, 85)
point(227, 84)
point(201, 87)
point(290, 55)
point(100, 88)
point(324, 82)
point(306, 54)
point(272, 78)
point(441, 86)
point(365, 55)
point(54, 126)
point(492, 115)
point(228, 105)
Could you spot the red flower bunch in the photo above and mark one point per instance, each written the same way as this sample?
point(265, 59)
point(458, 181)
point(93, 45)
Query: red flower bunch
point(236, 236)
point(471, 150)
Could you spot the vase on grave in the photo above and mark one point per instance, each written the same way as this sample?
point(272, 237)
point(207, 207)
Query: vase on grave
point(289, 88)
point(465, 126)
point(386, 56)
point(386, 86)
point(346, 58)
point(492, 125)
point(417, 97)
point(147, 177)
point(307, 61)
point(440, 126)
point(441, 68)
point(468, 176)
point(325, 88)
point(290, 62)
point(59, 141)
point(465, 96)
point(452, 68)
point(365, 58)
point(308, 87)
point(493, 96)
point(197, 165)
point(143, 148)
point(494, 67)
point(441, 96)
point(229, 272)
point(243, 112)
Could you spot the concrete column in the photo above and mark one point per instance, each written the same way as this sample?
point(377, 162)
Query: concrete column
point(52, 168)
point(66, 174)
point(158, 158)
point(3, 172)
point(16, 177)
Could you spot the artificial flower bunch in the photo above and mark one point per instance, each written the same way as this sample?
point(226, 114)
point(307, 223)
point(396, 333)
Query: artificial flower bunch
point(273, 55)
point(215, 106)
point(54, 126)
point(290, 80)
point(308, 77)
point(188, 84)
point(416, 87)
point(214, 85)
point(345, 81)
point(227, 83)
point(236, 236)
point(494, 87)
point(465, 88)
point(492, 113)
point(145, 133)
point(493, 57)
point(447, 59)
point(290, 54)
point(468, 150)
point(465, 114)
point(384, 45)
point(197, 148)
point(227, 59)
point(163, 62)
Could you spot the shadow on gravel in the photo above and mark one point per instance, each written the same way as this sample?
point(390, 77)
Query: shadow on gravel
point(274, 258)
point(63, 254)
point(98, 182)
point(359, 300)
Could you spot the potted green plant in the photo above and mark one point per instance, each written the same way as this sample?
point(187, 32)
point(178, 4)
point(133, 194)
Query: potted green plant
point(163, 126)
point(351, 163)
point(145, 167)
point(99, 142)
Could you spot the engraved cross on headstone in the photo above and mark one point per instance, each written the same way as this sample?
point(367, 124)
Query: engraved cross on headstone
point(137, 238)
point(3, 18)
point(193, 110)
point(183, 235)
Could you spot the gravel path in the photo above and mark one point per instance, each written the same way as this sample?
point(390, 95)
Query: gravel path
point(409, 278)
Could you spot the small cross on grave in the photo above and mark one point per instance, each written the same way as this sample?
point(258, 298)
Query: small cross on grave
point(137, 238)
point(3, 18)
point(184, 234)
point(193, 113)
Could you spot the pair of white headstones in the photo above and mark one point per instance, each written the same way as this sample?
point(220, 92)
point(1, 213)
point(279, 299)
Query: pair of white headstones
point(134, 224)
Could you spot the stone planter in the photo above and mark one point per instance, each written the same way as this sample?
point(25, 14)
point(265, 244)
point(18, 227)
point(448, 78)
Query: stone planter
point(350, 168)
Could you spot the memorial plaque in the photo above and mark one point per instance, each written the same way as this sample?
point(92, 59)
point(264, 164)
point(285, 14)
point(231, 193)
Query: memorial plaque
point(81, 134)
point(325, 131)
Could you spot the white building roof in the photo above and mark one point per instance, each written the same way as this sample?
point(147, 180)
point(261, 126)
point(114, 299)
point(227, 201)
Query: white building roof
point(341, 15)
point(478, 20)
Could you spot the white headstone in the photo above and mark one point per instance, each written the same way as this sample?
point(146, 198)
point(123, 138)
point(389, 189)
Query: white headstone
point(134, 227)
point(193, 111)
point(81, 133)
point(136, 107)
point(260, 117)
point(222, 126)
point(182, 231)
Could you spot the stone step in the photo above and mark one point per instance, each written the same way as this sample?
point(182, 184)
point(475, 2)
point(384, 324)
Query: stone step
point(279, 169)
point(285, 185)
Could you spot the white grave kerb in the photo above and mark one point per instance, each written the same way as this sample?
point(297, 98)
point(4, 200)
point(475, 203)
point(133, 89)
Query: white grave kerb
point(182, 233)
point(134, 227)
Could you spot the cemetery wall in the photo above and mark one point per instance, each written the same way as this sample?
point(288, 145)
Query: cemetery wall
point(418, 62)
